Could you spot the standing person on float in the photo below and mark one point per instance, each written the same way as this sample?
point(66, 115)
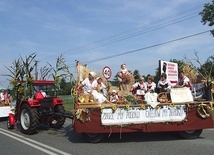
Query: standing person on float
point(150, 84)
point(124, 78)
point(184, 80)
point(164, 85)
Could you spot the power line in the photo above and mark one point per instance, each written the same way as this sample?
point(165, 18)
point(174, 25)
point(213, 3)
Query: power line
point(133, 35)
point(166, 21)
point(140, 49)
point(139, 30)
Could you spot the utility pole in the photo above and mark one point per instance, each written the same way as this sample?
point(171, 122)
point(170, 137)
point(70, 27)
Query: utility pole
point(36, 70)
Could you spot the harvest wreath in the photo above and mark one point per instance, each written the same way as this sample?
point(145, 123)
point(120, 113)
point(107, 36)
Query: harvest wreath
point(204, 110)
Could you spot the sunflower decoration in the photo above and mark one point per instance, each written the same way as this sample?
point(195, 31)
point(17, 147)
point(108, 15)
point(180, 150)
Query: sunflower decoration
point(75, 93)
point(143, 107)
point(127, 106)
point(172, 105)
point(204, 110)
point(114, 108)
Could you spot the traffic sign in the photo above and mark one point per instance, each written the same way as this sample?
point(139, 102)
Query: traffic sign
point(107, 72)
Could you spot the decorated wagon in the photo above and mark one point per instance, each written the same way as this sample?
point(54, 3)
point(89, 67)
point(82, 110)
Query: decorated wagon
point(179, 114)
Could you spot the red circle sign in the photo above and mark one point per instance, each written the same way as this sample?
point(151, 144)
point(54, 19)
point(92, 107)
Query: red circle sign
point(107, 72)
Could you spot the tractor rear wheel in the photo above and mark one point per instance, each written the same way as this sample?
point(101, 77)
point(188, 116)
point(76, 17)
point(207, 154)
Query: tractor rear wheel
point(29, 119)
point(58, 120)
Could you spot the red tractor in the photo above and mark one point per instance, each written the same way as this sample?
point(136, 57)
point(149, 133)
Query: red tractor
point(43, 107)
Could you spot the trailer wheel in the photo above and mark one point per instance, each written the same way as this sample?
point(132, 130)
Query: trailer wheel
point(9, 126)
point(190, 134)
point(58, 121)
point(29, 119)
point(93, 137)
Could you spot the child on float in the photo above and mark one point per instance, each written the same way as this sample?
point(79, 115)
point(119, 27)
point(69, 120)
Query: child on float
point(123, 77)
point(114, 97)
point(101, 87)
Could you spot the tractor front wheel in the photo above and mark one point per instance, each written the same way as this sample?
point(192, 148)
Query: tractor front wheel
point(58, 120)
point(9, 124)
point(29, 119)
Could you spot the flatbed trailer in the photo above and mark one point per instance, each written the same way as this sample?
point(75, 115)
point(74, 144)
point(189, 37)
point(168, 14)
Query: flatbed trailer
point(181, 113)
point(95, 121)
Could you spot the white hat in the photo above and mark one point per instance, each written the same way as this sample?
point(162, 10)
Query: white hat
point(113, 91)
point(92, 74)
point(98, 78)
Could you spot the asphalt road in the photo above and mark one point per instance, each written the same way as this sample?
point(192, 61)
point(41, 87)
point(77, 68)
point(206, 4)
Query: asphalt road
point(65, 141)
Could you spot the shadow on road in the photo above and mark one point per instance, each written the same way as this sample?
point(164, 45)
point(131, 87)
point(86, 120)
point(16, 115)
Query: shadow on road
point(123, 137)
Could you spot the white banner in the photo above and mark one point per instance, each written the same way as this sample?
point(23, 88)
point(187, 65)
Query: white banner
point(4, 111)
point(179, 95)
point(136, 115)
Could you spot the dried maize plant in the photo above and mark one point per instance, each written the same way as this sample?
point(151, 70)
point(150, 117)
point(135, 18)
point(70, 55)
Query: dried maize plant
point(61, 70)
point(16, 72)
point(202, 72)
point(44, 72)
point(28, 64)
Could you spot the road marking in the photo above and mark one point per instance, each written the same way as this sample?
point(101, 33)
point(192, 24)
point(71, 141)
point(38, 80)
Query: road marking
point(30, 142)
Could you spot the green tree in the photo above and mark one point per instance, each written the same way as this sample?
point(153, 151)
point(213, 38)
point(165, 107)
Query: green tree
point(136, 75)
point(208, 14)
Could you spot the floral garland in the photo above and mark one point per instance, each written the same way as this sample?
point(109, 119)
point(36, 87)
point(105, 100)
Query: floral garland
point(79, 116)
point(204, 110)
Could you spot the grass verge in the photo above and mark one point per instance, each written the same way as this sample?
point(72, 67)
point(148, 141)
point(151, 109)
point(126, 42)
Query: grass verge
point(68, 102)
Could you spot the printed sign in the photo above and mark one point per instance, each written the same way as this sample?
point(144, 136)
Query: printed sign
point(171, 70)
point(107, 72)
point(136, 115)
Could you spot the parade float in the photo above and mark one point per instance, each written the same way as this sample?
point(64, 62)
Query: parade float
point(176, 111)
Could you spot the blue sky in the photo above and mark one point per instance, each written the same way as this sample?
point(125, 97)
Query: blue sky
point(89, 30)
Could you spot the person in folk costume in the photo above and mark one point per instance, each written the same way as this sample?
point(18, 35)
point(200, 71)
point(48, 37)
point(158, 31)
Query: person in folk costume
point(150, 84)
point(184, 80)
point(101, 87)
point(89, 85)
point(124, 78)
point(163, 85)
point(139, 88)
